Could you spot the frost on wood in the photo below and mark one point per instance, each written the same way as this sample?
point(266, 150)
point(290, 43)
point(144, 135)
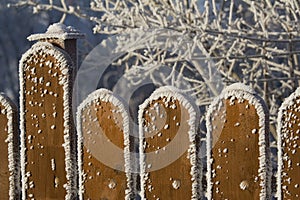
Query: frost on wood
point(250, 41)
point(169, 147)
point(103, 147)
point(47, 134)
point(58, 31)
point(288, 142)
point(238, 165)
point(9, 148)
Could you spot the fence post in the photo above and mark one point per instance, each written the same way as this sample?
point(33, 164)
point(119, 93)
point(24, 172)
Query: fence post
point(48, 156)
point(104, 147)
point(238, 165)
point(63, 37)
point(288, 142)
point(169, 161)
point(9, 150)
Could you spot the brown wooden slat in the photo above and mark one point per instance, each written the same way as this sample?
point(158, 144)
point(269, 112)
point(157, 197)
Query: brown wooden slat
point(288, 144)
point(165, 161)
point(235, 131)
point(102, 132)
point(45, 73)
point(9, 146)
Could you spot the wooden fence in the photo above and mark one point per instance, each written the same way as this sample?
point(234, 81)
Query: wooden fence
point(99, 161)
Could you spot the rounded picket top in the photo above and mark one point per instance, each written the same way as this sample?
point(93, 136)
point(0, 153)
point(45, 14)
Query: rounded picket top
point(288, 142)
point(238, 165)
point(168, 124)
point(104, 143)
point(47, 132)
point(9, 148)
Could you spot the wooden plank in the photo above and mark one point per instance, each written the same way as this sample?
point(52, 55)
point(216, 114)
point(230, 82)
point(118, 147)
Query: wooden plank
point(47, 134)
point(238, 146)
point(103, 148)
point(288, 176)
point(9, 148)
point(170, 168)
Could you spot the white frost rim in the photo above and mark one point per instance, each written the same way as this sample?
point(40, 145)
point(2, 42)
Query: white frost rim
point(243, 92)
point(185, 101)
point(65, 65)
point(12, 154)
point(288, 102)
point(105, 96)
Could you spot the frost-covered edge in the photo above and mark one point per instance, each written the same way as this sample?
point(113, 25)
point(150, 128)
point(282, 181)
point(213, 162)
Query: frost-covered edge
point(284, 107)
point(105, 96)
point(58, 31)
point(65, 65)
point(186, 102)
point(63, 36)
point(13, 158)
point(241, 91)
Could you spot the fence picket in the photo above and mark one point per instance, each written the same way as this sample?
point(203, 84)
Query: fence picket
point(47, 136)
point(103, 148)
point(46, 160)
point(238, 146)
point(288, 142)
point(170, 167)
point(9, 146)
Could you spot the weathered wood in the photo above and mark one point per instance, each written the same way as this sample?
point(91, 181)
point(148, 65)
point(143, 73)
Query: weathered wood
point(288, 176)
point(237, 146)
point(47, 134)
point(103, 148)
point(170, 167)
point(9, 150)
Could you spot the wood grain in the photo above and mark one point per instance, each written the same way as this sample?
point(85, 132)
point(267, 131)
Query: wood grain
point(44, 125)
point(290, 144)
point(9, 148)
point(103, 139)
point(167, 177)
point(235, 151)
